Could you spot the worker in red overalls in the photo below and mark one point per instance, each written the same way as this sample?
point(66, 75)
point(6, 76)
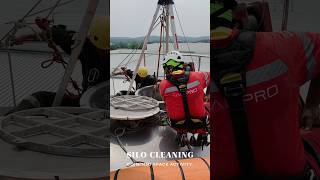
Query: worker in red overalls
point(255, 100)
point(183, 93)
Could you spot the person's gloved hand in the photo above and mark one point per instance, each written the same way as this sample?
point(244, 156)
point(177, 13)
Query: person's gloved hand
point(310, 117)
point(125, 71)
point(156, 87)
point(118, 71)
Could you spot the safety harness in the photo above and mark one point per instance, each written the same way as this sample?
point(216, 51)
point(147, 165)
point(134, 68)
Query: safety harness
point(189, 123)
point(229, 69)
point(181, 84)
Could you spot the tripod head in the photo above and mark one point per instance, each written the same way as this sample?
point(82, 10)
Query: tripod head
point(165, 2)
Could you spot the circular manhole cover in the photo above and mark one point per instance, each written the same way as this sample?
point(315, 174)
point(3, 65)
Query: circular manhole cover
point(133, 103)
point(81, 132)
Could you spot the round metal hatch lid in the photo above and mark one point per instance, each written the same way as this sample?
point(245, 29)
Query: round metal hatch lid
point(68, 131)
point(96, 97)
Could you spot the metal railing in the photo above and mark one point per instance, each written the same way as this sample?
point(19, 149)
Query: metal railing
point(199, 57)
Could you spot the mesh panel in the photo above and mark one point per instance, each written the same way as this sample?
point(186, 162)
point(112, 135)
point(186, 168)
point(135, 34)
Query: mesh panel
point(29, 76)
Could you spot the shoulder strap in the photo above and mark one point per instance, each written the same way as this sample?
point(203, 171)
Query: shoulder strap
point(229, 68)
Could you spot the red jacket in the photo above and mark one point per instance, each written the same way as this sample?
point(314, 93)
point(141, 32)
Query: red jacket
point(173, 99)
point(281, 63)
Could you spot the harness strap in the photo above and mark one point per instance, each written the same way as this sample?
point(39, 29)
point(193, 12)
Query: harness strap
point(229, 70)
point(181, 84)
point(234, 92)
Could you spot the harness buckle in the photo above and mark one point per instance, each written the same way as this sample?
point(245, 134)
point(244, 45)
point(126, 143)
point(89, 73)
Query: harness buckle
point(232, 84)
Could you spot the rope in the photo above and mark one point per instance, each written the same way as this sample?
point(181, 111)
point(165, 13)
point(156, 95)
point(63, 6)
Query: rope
point(160, 47)
point(29, 13)
point(14, 28)
point(285, 15)
point(183, 32)
point(117, 136)
point(47, 9)
point(121, 130)
point(44, 24)
point(53, 8)
point(57, 58)
point(132, 53)
point(33, 7)
point(130, 59)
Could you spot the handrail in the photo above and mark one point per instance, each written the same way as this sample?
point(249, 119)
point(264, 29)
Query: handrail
point(200, 56)
point(184, 54)
point(14, 50)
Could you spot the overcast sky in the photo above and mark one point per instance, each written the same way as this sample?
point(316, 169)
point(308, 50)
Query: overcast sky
point(132, 18)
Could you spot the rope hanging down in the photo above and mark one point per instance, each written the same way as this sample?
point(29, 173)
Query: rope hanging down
point(160, 45)
point(285, 15)
point(122, 130)
point(184, 36)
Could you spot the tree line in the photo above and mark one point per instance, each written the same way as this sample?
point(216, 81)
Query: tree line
point(123, 45)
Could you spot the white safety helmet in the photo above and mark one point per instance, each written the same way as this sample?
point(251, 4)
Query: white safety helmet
point(173, 61)
point(173, 55)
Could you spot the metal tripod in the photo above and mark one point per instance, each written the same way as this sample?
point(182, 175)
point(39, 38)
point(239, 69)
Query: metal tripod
point(166, 5)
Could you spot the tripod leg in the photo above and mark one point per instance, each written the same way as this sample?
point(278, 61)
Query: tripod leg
point(173, 27)
point(144, 46)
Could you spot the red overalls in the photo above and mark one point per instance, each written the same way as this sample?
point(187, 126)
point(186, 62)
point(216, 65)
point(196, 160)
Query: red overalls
point(197, 82)
point(281, 63)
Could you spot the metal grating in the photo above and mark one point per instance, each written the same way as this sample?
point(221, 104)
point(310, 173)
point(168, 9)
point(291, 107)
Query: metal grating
point(66, 131)
point(133, 103)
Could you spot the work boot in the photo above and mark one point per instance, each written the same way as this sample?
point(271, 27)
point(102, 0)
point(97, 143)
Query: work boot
point(193, 141)
point(199, 140)
point(177, 139)
point(202, 140)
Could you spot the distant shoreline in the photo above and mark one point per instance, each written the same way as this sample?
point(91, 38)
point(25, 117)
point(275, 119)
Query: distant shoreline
point(136, 42)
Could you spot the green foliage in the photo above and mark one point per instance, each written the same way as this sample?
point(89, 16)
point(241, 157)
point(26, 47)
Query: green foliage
point(123, 45)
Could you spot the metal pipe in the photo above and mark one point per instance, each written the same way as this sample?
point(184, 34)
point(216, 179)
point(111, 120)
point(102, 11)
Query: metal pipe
point(173, 28)
point(199, 63)
point(144, 47)
point(167, 29)
point(11, 79)
point(91, 9)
